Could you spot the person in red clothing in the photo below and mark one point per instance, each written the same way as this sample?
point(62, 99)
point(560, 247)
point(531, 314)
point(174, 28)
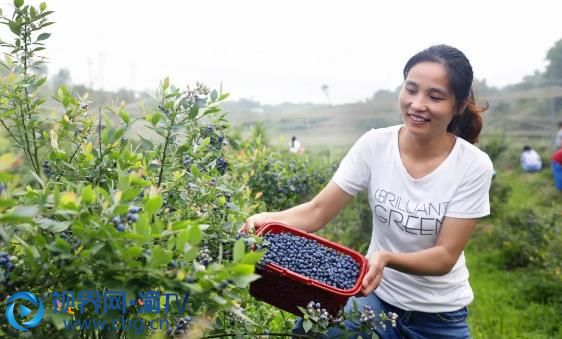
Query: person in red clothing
point(556, 165)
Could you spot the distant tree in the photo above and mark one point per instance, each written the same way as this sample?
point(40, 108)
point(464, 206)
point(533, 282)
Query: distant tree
point(554, 57)
point(61, 78)
point(483, 89)
point(384, 95)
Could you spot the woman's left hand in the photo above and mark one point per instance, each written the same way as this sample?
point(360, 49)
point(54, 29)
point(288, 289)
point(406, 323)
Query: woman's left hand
point(377, 262)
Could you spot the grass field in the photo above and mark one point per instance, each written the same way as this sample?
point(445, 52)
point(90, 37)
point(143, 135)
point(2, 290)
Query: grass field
point(500, 308)
point(506, 304)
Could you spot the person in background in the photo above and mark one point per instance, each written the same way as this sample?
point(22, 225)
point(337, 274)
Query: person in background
point(556, 166)
point(530, 160)
point(428, 184)
point(296, 146)
point(558, 141)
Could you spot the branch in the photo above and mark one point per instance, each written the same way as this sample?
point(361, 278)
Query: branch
point(13, 136)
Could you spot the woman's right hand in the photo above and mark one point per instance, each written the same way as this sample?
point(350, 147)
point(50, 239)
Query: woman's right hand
point(254, 222)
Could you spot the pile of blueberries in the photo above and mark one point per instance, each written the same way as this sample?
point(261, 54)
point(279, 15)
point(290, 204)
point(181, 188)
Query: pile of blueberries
point(182, 327)
point(310, 258)
point(131, 217)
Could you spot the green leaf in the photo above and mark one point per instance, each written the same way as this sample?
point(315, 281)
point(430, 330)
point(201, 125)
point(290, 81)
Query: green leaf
point(43, 36)
point(191, 254)
point(214, 95)
point(42, 6)
point(218, 299)
point(238, 251)
point(224, 96)
point(243, 269)
point(130, 194)
point(88, 195)
point(53, 225)
point(14, 219)
point(105, 135)
point(124, 116)
point(159, 257)
point(157, 227)
point(18, 3)
point(251, 258)
point(25, 211)
point(182, 239)
point(195, 171)
point(195, 235)
point(118, 133)
point(14, 27)
point(243, 280)
point(133, 251)
point(141, 226)
point(155, 118)
point(193, 111)
point(307, 325)
point(97, 247)
point(7, 203)
point(153, 205)
point(178, 225)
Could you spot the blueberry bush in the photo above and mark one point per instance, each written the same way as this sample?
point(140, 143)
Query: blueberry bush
point(89, 201)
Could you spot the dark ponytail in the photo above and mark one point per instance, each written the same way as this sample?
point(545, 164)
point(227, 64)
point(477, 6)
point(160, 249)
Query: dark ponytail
point(468, 123)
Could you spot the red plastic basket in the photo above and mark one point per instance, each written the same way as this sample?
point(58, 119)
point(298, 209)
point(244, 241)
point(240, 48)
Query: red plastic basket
point(287, 290)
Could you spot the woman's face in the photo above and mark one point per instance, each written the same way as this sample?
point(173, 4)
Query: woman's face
point(426, 102)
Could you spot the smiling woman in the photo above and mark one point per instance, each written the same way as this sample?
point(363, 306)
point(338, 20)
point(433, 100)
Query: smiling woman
point(427, 185)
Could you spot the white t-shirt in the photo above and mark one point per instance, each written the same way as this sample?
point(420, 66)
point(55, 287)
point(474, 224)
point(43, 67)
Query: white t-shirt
point(295, 146)
point(530, 158)
point(408, 213)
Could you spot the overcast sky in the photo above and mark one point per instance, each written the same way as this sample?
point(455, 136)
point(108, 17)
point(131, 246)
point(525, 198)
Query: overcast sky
point(275, 51)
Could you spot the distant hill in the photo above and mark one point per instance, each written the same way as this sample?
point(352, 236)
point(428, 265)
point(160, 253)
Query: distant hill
point(530, 113)
point(523, 110)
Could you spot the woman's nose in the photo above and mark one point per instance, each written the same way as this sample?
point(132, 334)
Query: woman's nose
point(418, 103)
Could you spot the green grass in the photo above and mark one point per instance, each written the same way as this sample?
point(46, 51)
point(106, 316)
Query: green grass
point(503, 306)
point(500, 308)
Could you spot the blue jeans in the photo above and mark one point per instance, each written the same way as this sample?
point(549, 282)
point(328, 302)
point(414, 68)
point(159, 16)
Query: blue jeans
point(557, 174)
point(531, 168)
point(410, 324)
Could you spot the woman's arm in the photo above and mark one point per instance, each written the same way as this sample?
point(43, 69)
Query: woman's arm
point(437, 260)
point(309, 216)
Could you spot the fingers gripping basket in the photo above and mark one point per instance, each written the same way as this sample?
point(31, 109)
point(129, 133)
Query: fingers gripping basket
point(287, 290)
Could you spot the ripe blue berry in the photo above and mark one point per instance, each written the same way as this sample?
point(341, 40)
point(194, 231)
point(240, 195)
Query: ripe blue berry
point(134, 209)
point(132, 217)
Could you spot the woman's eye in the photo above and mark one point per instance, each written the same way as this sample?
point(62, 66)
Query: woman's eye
point(436, 98)
point(410, 91)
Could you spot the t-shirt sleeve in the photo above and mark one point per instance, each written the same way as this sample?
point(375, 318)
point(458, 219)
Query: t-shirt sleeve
point(354, 173)
point(472, 199)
